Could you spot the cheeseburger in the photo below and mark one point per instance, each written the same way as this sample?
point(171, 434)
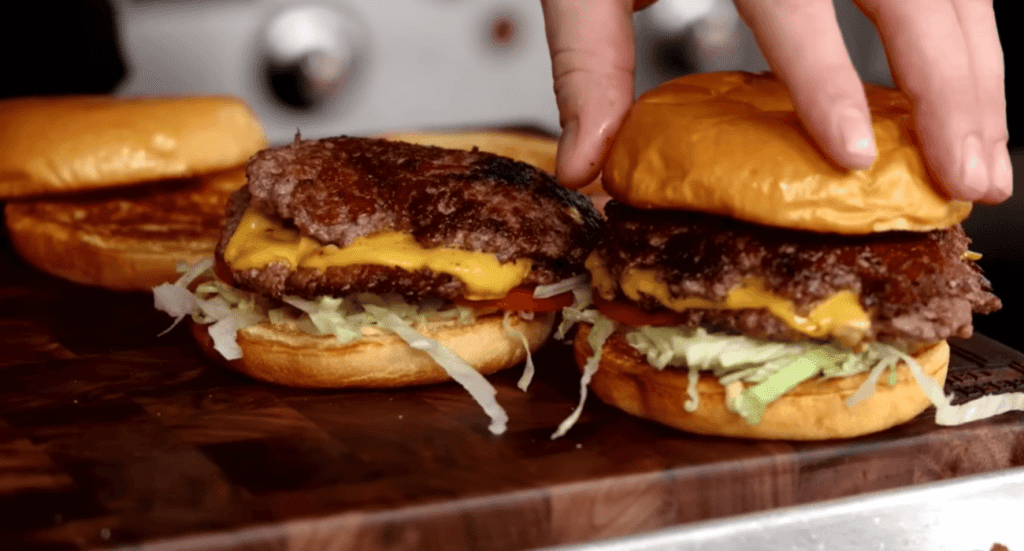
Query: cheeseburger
point(359, 262)
point(745, 286)
point(113, 191)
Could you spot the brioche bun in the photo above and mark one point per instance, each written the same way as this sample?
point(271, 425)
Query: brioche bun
point(115, 192)
point(378, 359)
point(813, 410)
point(71, 143)
point(765, 169)
point(130, 240)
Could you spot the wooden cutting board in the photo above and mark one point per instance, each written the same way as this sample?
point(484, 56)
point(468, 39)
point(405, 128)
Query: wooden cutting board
point(111, 436)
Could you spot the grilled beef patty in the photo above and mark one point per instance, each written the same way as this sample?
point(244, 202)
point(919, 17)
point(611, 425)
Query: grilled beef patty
point(915, 286)
point(337, 190)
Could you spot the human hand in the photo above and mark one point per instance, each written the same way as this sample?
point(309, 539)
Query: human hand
point(945, 54)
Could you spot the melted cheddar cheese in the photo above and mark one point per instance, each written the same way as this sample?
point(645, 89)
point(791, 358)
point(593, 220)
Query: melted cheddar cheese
point(839, 317)
point(260, 240)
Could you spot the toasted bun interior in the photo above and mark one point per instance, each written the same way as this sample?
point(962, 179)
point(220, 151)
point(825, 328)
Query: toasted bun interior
point(126, 240)
point(814, 410)
point(730, 143)
point(59, 144)
point(378, 359)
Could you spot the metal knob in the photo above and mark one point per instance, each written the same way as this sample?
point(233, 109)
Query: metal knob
point(310, 52)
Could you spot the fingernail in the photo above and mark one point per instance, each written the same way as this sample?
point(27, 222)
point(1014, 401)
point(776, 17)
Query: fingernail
point(857, 136)
point(973, 173)
point(1002, 173)
point(566, 143)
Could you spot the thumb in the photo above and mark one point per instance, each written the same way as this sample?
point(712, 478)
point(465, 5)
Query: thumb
point(591, 43)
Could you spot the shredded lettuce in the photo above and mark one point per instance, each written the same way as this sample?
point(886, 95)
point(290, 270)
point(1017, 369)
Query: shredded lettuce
point(175, 298)
point(226, 310)
point(559, 287)
point(599, 333)
point(528, 368)
point(757, 372)
point(478, 387)
point(176, 301)
point(212, 301)
point(578, 311)
point(752, 402)
point(980, 408)
point(773, 367)
point(868, 388)
point(224, 333)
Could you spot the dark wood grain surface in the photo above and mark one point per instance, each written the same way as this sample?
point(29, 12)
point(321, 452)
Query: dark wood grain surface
point(111, 437)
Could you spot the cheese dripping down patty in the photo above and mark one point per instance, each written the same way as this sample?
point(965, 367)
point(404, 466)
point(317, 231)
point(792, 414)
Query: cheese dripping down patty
point(839, 317)
point(261, 240)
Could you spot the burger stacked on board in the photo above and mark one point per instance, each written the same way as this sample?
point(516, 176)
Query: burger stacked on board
point(346, 262)
point(115, 192)
point(361, 262)
point(747, 287)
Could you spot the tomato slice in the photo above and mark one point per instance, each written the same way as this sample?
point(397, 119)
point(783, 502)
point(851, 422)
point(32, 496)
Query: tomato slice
point(631, 314)
point(521, 299)
point(222, 270)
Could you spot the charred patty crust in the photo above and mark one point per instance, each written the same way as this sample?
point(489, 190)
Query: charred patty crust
point(337, 190)
point(915, 286)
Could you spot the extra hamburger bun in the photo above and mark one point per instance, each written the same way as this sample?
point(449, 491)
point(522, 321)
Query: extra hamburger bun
point(115, 192)
point(125, 239)
point(378, 359)
point(730, 143)
point(814, 410)
point(72, 143)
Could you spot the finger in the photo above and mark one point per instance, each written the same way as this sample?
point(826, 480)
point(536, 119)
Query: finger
point(946, 56)
point(802, 43)
point(978, 20)
point(591, 45)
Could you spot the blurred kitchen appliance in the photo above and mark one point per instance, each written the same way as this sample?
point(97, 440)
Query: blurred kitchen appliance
point(676, 37)
point(330, 67)
point(333, 67)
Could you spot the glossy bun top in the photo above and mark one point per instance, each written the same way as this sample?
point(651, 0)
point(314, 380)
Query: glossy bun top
point(730, 143)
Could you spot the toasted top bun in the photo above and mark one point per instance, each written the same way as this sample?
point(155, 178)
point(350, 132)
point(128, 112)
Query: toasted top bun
point(730, 143)
point(813, 410)
point(378, 359)
point(58, 144)
point(125, 239)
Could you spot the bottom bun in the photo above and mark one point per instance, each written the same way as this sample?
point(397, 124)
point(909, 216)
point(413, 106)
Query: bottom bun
point(377, 360)
point(813, 410)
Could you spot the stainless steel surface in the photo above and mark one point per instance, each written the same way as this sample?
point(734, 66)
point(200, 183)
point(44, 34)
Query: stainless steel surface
point(351, 66)
point(963, 514)
point(311, 52)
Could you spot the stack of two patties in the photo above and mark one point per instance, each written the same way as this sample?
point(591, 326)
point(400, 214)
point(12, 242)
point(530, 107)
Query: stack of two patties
point(360, 262)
